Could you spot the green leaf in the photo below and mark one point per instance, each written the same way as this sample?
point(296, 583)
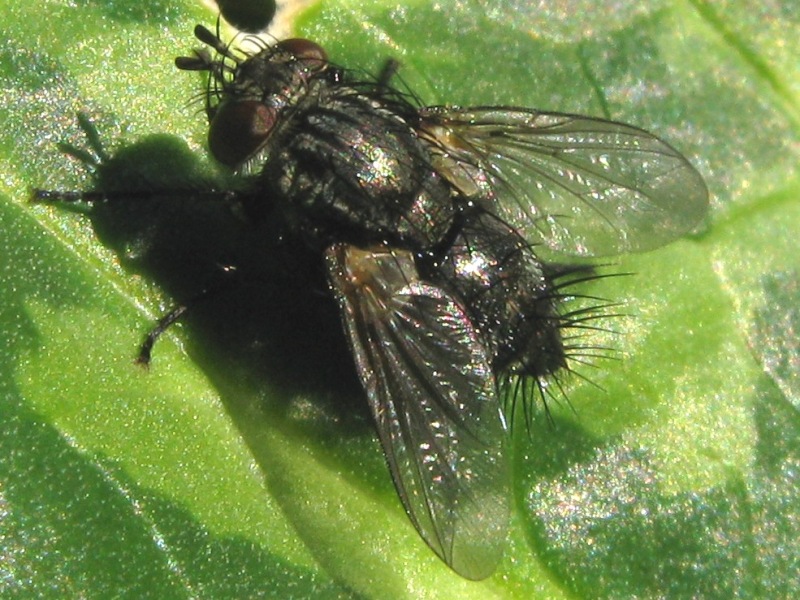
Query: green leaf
point(243, 463)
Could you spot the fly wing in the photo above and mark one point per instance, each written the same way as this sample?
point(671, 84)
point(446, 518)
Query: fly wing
point(578, 185)
point(432, 393)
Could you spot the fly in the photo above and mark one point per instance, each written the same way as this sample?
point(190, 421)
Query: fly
point(444, 232)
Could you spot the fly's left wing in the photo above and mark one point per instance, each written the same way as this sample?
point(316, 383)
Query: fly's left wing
point(576, 185)
point(432, 393)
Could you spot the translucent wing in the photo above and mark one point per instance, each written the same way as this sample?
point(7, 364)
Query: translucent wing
point(433, 396)
point(578, 185)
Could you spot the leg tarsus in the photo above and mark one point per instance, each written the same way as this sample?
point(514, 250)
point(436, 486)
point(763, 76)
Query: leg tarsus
point(53, 196)
point(389, 70)
point(145, 351)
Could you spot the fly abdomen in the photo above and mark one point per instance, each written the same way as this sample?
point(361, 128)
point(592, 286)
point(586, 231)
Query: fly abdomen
point(509, 294)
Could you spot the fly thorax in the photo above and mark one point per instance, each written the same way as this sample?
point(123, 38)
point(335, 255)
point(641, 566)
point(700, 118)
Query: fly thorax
point(349, 164)
point(432, 214)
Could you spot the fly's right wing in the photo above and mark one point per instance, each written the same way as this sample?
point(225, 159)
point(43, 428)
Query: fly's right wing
point(432, 393)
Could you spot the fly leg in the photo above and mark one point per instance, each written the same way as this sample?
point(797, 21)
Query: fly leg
point(224, 284)
point(389, 70)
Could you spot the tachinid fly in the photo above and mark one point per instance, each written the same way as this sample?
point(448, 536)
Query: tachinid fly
point(444, 232)
point(432, 222)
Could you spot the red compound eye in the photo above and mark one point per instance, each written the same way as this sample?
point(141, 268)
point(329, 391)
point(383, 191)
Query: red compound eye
point(306, 51)
point(238, 130)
